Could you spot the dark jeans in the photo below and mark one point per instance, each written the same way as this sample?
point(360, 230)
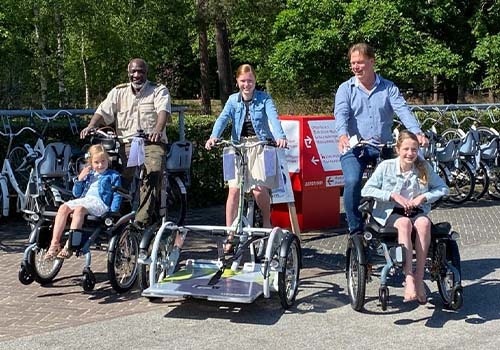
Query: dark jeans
point(354, 163)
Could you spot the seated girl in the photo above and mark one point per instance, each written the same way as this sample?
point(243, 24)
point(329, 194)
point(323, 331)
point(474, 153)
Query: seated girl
point(94, 195)
point(404, 188)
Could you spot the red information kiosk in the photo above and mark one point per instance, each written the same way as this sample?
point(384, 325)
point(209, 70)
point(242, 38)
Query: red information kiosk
point(315, 173)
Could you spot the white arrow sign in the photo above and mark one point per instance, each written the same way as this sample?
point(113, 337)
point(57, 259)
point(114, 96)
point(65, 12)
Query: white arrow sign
point(314, 160)
point(308, 141)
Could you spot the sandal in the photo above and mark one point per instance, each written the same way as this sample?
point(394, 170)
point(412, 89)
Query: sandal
point(229, 243)
point(52, 252)
point(65, 253)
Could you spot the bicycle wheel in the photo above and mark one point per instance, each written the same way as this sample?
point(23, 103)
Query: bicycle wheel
point(356, 278)
point(176, 201)
point(122, 259)
point(482, 182)
point(485, 134)
point(162, 260)
point(21, 170)
point(288, 277)
point(44, 270)
point(461, 183)
point(494, 188)
point(452, 134)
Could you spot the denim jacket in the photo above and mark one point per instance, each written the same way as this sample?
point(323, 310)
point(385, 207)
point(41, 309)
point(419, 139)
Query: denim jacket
point(387, 178)
point(108, 179)
point(262, 112)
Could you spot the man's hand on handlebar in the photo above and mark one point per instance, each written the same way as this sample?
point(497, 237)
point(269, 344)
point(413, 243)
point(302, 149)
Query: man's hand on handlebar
point(86, 131)
point(281, 143)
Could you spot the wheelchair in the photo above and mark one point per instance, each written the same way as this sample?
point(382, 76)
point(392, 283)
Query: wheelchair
point(376, 249)
point(112, 229)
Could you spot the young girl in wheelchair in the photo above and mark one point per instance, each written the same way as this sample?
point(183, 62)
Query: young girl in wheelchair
point(404, 188)
point(94, 195)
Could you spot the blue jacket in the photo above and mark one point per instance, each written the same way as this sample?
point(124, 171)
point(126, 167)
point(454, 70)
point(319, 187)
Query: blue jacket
point(262, 112)
point(387, 178)
point(108, 179)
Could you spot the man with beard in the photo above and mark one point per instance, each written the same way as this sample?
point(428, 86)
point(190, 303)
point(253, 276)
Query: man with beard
point(139, 105)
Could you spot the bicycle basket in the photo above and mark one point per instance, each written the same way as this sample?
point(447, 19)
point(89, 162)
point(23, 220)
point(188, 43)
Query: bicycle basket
point(179, 156)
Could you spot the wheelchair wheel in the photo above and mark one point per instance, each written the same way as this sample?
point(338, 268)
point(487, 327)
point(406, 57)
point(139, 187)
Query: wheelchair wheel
point(383, 296)
point(44, 270)
point(288, 277)
point(449, 285)
point(88, 280)
point(356, 279)
point(25, 275)
point(122, 259)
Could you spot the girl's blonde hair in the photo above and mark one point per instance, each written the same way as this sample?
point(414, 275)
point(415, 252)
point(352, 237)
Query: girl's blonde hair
point(423, 175)
point(97, 150)
point(245, 68)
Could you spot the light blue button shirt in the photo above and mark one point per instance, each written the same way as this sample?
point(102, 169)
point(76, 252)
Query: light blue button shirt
point(369, 115)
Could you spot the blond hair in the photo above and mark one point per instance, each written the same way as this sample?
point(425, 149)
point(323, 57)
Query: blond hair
point(245, 68)
point(95, 151)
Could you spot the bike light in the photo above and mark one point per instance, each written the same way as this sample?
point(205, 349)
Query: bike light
point(368, 236)
point(108, 222)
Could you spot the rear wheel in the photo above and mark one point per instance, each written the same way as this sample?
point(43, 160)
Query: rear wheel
point(176, 202)
point(449, 284)
point(288, 277)
point(461, 183)
point(482, 182)
point(356, 279)
point(122, 260)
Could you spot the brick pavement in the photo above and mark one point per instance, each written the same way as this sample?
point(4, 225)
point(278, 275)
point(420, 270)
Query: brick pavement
point(35, 309)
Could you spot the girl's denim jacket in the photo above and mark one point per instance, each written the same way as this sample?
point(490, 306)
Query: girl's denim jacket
point(387, 178)
point(262, 112)
point(108, 179)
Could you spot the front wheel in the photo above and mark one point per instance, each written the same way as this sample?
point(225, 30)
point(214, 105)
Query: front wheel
point(176, 202)
point(461, 183)
point(122, 260)
point(25, 275)
point(356, 279)
point(288, 276)
point(44, 270)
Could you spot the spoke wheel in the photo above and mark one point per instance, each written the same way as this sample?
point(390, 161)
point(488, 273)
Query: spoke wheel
point(288, 277)
point(176, 203)
point(356, 280)
point(122, 260)
point(461, 183)
point(448, 282)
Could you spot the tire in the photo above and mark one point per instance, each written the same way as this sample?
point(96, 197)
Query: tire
point(44, 270)
point(452, 134)
point(494, 188)
point(88, 280)
point(462, 184)
point(288, 277)
point(122, 260)
point(447, 282)
point(482, 182)
point(356, 279)
point(16, 158)
point(383, 296)
point(176, 202)
point(25, 276)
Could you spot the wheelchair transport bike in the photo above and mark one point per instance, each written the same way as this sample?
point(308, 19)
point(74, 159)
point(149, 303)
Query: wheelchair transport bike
point(264, 260)
point(375, 249)
point(112, 229)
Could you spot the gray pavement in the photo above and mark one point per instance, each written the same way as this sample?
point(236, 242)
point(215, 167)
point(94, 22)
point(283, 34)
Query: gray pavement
point(60, 315)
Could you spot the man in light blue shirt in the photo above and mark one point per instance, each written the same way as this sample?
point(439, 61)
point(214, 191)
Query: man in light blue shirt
point(364, 107)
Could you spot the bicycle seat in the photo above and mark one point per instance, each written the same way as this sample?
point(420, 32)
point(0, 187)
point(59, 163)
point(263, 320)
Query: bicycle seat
point(490, 150)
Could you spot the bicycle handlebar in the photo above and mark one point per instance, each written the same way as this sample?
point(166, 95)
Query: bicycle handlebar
point(242, 145)
point(11, 135)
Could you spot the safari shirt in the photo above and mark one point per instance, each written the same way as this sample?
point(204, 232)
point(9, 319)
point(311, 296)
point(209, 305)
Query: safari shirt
point(135, 112)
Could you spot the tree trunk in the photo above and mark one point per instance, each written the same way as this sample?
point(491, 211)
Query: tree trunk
point(203, 42)
point(63, 98)
point(435, 91)
point(223, 59)
point(85, 74)
point(42, 59)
